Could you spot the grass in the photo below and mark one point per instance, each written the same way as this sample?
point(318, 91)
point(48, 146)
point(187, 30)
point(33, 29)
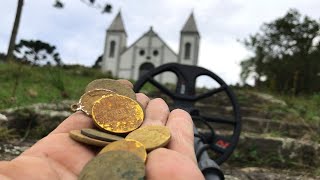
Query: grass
point(300, 109)
point(23, 85)
point(303, 109)
point(7, 134)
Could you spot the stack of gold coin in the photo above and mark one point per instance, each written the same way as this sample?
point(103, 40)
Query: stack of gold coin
point(118, 116)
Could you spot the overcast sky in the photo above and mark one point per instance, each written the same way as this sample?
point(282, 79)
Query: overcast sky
point(79, 32)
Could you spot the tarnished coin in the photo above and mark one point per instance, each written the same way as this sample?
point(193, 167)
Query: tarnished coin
point(77, 136)
point(103, 136)
point(151, 137)
point(114, 165)
point(118, 114)
point(87, 99)
point(112, 85)
point(127, 145)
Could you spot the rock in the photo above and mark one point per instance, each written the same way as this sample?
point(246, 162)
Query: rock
point(269, 98)
point(260, 173)
point(32, 93)
point(3, 117)
point(40, 119)
point(277, 152)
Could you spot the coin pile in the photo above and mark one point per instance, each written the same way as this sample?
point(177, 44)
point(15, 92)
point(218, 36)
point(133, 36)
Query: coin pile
point(118, 116)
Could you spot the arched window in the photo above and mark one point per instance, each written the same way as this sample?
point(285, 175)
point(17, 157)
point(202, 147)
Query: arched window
point(187, 50)
point(112, 48)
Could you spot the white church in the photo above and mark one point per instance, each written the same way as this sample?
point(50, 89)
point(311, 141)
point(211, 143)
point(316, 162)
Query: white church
point(147, 52)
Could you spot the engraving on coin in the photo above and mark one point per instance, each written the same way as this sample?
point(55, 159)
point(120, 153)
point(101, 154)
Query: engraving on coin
point(118, 114)
point(127, 145)
point(112, 85)
point(151, 137)
point(87, 99)
point(77, 136)
point(103, 136)
point(114, 165)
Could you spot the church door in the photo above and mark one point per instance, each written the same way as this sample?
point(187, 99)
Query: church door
point(144, 68)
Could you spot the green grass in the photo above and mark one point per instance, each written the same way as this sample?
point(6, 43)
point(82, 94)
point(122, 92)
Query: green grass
point(300, 109)
point(303, 108)
point(42, 84)
point(53, 84)
point(7, 134)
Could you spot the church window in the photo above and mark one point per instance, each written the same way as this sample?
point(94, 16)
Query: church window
point(141, 52)
point(112, 48)
point(187, 50)
point(155, 52)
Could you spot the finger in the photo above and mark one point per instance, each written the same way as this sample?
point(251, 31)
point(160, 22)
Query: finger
point(77, 120)
point(142, 99)
point(157, 112)
point(126, 83)
point(182, 137)
point(168, 164)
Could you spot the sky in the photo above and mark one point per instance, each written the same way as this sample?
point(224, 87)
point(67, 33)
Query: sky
point(79, 31)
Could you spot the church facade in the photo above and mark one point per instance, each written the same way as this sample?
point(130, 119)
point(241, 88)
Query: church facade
point(147, 52)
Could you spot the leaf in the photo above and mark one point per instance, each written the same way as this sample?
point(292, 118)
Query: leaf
point(58, 4)
point(107, 8)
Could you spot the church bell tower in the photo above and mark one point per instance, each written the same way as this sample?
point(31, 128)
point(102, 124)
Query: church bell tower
point(189, 42)
point(115, 43)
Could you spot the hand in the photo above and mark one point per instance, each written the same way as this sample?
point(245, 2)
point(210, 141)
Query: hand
point(57, 156)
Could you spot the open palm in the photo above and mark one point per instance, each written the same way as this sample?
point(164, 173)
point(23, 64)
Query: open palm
point(57, 156)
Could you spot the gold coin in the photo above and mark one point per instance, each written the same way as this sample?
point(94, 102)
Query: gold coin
point(151, 137)
point(103, 136)
point(127, 145)
point(118, 114)
point(114, 165)
point(87, 99)
point(77, 136)
point(112, 85)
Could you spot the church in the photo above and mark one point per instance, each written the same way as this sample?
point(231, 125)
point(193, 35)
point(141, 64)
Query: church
point(147, 52)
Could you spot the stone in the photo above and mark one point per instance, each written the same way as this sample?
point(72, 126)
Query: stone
point(3, 117)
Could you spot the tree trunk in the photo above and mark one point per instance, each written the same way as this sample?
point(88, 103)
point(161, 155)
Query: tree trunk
point(14, 32)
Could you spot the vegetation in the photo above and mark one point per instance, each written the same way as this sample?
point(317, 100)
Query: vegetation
point(37, 53)
point(286, 55)
point(304, 108)
point(105, 8)
point(299, 109)
point(7, 134)
point(24, 84)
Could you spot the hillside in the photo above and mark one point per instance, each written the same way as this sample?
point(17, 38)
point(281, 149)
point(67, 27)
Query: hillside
point(280, 134)
point(32, 84)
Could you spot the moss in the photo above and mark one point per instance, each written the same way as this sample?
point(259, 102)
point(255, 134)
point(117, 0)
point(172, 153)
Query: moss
point(7, 134)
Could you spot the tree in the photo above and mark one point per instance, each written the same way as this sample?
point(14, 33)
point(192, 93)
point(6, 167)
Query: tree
point(106, 8)
point(14, 31)
point(98, 62)
point(286, 54)
point(37, 52)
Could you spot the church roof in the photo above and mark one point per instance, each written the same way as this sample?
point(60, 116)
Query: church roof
point(151, 32)
point(117, 24)
point(190, 26)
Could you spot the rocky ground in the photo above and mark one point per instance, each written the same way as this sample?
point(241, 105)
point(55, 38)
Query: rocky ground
point(269, 147)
